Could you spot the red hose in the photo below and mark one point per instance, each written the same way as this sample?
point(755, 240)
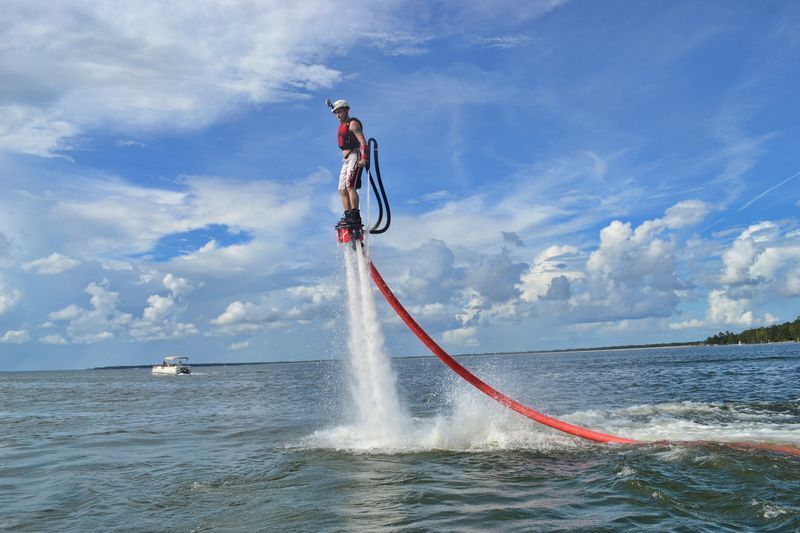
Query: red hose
point(477, 382)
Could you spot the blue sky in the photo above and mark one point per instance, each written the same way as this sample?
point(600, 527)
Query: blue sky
point(562, 174)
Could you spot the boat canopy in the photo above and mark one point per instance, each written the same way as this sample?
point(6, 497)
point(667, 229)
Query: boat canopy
point(175, 359)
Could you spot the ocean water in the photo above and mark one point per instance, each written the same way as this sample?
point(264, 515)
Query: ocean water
point(276, 446)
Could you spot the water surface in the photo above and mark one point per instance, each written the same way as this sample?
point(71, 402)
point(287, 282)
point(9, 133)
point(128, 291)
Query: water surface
point(273, 447)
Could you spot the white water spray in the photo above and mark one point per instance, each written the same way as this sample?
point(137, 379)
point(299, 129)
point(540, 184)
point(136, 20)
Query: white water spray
point(380, 418)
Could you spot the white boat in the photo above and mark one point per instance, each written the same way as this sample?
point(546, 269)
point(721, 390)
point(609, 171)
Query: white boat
point(173, 366)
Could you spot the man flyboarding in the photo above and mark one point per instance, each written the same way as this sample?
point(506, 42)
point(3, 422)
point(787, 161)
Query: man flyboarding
point(355, 152)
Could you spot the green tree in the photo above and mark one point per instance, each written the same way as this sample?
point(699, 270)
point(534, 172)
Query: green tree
point(788, 331)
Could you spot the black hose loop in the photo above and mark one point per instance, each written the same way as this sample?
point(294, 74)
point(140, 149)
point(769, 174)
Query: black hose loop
point(380, 191)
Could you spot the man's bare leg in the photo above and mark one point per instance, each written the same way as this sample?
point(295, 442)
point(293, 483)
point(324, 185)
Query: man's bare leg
point(352, 194)
point(345, 199)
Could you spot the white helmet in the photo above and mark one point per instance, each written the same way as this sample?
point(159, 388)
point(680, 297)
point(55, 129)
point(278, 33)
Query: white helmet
point(338, 104)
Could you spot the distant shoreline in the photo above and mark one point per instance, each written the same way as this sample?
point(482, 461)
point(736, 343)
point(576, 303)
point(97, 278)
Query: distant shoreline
point(528, 352)
point(597, 349)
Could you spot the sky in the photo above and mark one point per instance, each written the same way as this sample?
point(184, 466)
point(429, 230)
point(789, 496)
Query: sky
point(561, 174)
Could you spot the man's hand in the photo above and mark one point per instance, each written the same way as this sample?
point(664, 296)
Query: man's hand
point(362, 163)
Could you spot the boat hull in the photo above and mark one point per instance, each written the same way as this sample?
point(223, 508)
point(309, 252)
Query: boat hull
point(172, 370)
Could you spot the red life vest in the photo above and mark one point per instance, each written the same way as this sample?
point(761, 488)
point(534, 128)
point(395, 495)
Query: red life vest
point(347, 139)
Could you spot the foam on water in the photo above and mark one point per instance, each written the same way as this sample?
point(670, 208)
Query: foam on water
point(474, 423)
point(689, 421)
point(477, 424)
point(451, 433)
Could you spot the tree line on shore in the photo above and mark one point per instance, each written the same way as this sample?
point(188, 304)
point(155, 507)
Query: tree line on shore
point(788, 331)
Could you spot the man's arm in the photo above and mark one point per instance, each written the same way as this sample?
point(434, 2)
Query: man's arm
point(355, 127)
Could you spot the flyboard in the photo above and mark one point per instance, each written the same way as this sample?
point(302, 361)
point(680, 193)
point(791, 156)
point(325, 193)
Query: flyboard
point(353, 236)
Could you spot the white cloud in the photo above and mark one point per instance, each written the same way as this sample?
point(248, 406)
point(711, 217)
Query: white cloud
point(725, 310)
point(550, 266)
point(98, 323)
point(503, 41)
point(432, 275)
point(539, 203)
point(159, 307)
point(447, 223)
point(762, 261)
point(780, 266)
point(793, 282)
point(765, 256)
point(465, 336)
point(148, 330)
point(744, 251)
point(480, 292)
point(503, 312)
point(212, 259)
point(70, 312)
point(400, 43)
point(15, 337)
point(686, 213)
point(245, 316)
point(473, 302)
point(112, 221)
point(494, 276)
point(429, 311)
point(31, 131)
point(283, 308)
point(53, 339)
point(75, 66)
point(8, 298)
point(54, 263)
point(111, 218)
point(688, 324)
point(242, 345)
point(436, 196)
point(632, 274)
point(131, 142)
point(737, 260)
point(103, 321)
point(159, 319)
point(317, 294)
point(177, 286)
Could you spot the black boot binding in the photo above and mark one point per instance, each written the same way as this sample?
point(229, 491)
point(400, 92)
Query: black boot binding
point(343, 221)
point(354, 219)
